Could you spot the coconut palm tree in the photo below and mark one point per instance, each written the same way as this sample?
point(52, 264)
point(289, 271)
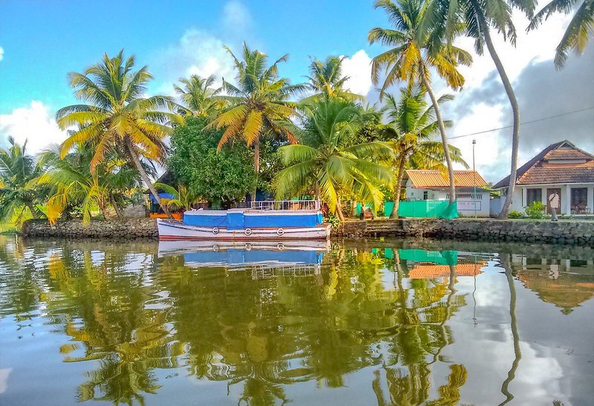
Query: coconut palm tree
point(72, 183)
point(411, 129)
point(327, 80)
point(258, 104)
point(416, 48)
point(118, 117)
point(17, 198)
point(181, 197)
point(198, 96)
point(577, 34)
point(478, 17)
point(325, 162)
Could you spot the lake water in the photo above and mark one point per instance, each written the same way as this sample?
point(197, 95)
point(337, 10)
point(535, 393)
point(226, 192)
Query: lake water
point(376, 322)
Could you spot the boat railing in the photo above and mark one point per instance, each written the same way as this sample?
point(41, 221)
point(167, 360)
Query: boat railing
point(283, 205)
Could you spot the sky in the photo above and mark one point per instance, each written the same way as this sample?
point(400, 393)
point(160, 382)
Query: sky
point(41, 41)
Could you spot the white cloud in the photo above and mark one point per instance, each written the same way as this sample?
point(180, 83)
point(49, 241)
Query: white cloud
point(1, 53)
point(34, 123)
point(236, 17)
point(358, 69)
point(538, 45)
point(201, 52)
point(483, 105)
point(197, 52)
point(491, 117)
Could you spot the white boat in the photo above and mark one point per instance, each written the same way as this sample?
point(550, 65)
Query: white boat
point(248, 224)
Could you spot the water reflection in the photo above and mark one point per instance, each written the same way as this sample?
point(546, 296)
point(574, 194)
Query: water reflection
point(383, 322)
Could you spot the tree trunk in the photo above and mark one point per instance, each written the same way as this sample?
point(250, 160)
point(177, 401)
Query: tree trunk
point(145, 177)
point(32, 210)
point(339, 210)
point(102, 208)
point(444, 138)
point(394, 214)
point(116, 207)
point(514, 105)
point(256, 167)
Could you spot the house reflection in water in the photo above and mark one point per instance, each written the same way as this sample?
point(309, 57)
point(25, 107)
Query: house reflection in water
point(566, 283)
point(423, 264)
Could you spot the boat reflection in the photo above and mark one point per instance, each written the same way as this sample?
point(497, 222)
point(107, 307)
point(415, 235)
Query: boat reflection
point(262, 258)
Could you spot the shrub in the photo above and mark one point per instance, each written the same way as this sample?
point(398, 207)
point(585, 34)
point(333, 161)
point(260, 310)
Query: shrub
point(535, 210)
point(514, 214)
point(333, 220)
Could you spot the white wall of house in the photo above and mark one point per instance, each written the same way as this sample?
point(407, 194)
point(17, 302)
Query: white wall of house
point(465, 199)
point(520, 200)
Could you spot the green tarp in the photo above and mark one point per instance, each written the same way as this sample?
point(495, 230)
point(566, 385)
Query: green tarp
point(428, 208)
point(388, 208)
point(435, 257)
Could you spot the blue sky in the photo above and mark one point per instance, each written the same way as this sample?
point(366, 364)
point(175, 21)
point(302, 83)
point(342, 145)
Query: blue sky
point(41, 41)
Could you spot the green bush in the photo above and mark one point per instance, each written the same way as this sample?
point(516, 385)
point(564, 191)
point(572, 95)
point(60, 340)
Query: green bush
point(333, 220)
point(535, 210)
point(514, 214)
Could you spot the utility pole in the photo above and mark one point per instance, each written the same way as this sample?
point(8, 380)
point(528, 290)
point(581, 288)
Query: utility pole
point(474, 177)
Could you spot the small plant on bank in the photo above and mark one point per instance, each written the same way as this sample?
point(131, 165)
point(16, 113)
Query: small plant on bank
point(535, 210)
point(514, 214)
point(333, 220)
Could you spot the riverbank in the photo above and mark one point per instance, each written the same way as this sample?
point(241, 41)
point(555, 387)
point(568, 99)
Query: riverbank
point(561, 232)
point(544, 231)
point(104, 229)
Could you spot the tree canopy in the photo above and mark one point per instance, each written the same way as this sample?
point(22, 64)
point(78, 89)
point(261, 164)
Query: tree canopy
point(221, 178)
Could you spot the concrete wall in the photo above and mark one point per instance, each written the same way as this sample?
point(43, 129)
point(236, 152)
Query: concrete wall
point(545, 231)
point(106, 229)
point(465, 202)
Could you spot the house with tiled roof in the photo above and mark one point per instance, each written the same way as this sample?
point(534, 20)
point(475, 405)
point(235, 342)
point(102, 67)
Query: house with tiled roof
point(423, 184)
point(561, 175)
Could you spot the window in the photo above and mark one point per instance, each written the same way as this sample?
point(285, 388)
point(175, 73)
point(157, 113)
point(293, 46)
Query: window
point(425, 195)
point(533, 195)
point(579, 200)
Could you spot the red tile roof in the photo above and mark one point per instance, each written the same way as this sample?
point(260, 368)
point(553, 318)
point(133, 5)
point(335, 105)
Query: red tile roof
point(435, 179)
point(539, 170)
point(571, 154)
point(544, 173)
point(436, 271)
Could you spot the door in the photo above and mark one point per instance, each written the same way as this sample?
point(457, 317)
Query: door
point(554, 200)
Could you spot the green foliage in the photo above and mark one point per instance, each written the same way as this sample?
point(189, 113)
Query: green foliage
point(514, 214)
point(578, 31)
point(326, 79)
point(198, 97)
point(18, 198)
point(327, 164)
point(333, 220)
point(223, 177)
point(535, 210)
point(76, 190)
point(118, 116)
point(182, 199)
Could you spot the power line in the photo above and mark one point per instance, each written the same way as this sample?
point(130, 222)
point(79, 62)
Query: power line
point(524, 123)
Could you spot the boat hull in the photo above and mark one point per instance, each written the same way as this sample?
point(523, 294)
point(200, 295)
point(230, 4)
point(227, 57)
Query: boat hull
point(171, 230)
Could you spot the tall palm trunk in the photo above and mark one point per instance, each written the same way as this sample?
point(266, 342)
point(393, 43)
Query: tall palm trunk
point(145, 177)
point(514, 105)
point(32, 210)
point(256, 167)
point(444, 138)
point(339, 210)
point(400, 175)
